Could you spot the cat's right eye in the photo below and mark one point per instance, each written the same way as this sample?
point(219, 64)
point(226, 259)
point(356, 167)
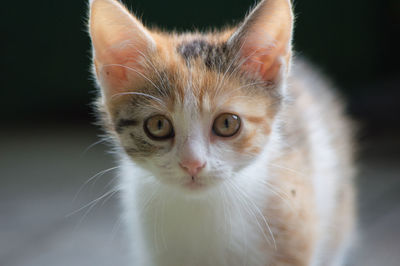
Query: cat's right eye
point(226, 125)
point(158, 127)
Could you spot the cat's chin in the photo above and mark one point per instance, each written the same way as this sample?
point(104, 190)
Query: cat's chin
point(189, 186)
point(196, 191)
point(194, 186)
point(198, 188)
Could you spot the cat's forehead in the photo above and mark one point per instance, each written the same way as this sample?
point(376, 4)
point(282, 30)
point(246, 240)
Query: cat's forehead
point(195, 67)
point(195, 50)
point(184, 69)
point(197, 73)
point(213, 55)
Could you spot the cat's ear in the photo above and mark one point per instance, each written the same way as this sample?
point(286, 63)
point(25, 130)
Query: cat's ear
point(263, 40)
point(120, 43)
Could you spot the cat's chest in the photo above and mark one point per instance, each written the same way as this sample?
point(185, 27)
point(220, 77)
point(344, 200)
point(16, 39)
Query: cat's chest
point(211, 232)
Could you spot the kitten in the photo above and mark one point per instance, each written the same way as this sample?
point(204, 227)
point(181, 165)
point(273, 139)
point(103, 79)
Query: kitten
point(231, 152)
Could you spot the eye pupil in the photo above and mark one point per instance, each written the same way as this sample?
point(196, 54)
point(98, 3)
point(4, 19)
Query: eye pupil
point(226, 123)
point(159, 124)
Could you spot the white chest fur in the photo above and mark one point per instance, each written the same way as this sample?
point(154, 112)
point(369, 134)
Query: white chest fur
point(225, 227)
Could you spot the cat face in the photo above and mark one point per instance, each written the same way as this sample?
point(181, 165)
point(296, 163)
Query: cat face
point(193, 109)
point(194, 128)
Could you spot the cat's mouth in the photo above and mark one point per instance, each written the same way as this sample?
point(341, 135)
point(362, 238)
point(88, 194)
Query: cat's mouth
point(194, 183)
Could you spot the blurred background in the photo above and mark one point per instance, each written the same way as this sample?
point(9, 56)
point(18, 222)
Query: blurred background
point(48, 152)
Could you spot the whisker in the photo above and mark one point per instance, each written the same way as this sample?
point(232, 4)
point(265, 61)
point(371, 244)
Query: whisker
point(99, 174)
point(250, 211)
point(137, 72)
point(255, 208)
point(280, 194)
point(149, 200)
point(221, 81)
point(109, 197)
point(155, 69)
point(287, 169)
point(162, 224)
point(242, 222)
point(115, 229)
point(111, 181)
point(92, 145)
point(242, 61)
point(140, 94)
point(92, 203)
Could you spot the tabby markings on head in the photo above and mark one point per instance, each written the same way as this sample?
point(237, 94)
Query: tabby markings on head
point(213, 55)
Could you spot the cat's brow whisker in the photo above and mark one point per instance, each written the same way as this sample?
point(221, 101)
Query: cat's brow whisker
point(140, 94)
point(154, 68)
point(137, 72)
point(243, 60)
point(222, 80)
point(240, 61)
point(247, 85)
point(236, 68)
point(227, 98)
point(151, 67)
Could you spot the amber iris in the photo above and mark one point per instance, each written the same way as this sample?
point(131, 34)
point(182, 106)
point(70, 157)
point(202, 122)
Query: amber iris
point(226, 125)
point(158, 127)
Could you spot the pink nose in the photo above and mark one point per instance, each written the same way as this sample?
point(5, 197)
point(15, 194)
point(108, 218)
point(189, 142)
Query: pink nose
point(192, 167)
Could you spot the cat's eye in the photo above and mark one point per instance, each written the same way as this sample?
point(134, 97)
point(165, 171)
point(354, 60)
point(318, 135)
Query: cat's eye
point(226, 125)
point(158, 127)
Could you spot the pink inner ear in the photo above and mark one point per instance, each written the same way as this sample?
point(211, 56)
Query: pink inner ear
point(265, 62)
point(120, 70)
point(113, 77)
point(119, 39)
point(266, 39)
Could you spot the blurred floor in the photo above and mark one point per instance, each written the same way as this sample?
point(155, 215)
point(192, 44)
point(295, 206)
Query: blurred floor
point(42, 169)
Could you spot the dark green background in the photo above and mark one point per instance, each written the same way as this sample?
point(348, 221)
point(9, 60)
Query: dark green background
point(46, 52)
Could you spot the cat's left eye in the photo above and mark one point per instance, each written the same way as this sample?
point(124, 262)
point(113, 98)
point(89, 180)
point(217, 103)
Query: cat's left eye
point(226, 125)
point(158, 127)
